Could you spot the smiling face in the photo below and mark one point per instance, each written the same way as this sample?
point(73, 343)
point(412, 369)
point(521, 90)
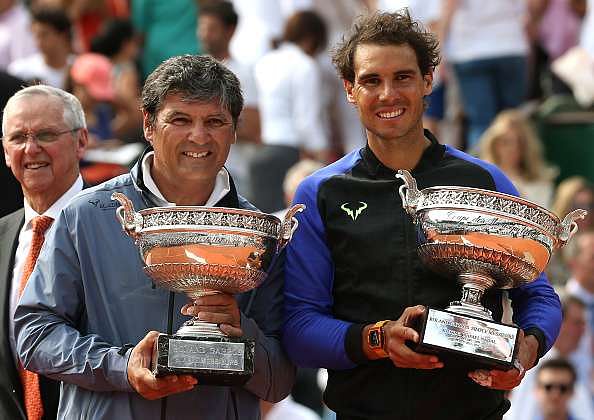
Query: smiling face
point(191, 142)
point(388, 92)
point(44, 170)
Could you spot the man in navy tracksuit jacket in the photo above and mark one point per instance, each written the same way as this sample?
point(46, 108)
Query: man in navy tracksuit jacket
point(353, 261)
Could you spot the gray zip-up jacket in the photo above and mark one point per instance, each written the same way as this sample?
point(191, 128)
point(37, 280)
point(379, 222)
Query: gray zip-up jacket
point(88, 296)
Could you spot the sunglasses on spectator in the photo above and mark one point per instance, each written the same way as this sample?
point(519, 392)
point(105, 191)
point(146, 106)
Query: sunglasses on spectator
point(562, 388)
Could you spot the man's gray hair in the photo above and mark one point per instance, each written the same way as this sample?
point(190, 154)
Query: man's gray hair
point(74, 116)
point(195, 78)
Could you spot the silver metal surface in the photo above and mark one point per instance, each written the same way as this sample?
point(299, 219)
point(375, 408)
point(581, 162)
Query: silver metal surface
point(484, 238)
point(206, 355)
point(471, 336)
point(205, 250)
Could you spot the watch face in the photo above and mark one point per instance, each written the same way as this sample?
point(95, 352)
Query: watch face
point(374, 338)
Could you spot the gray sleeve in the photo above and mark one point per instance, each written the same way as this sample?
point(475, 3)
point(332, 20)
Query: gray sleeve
point(274, 373)
point(50, 318)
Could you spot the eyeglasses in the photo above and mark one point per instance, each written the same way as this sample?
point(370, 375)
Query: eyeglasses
point(43, 136)
point(562, 388)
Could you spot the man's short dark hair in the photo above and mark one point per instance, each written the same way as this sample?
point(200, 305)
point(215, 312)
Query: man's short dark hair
point(221, 9)
point(304, 25)
point(53, 17)
point(558, 364)
point(386, 29)
point(195, 78)
point(111, 38)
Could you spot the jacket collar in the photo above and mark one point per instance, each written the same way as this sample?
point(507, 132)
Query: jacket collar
point(429, 158)
point(230, 199)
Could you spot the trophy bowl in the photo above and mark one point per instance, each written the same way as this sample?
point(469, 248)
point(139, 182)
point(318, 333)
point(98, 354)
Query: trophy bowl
point(202, 251)
point(483, 239)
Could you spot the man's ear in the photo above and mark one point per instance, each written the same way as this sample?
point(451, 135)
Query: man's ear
point(428, 84)
point(348, 88)
point(82, 142)
point(6, 156)
point(147, 127)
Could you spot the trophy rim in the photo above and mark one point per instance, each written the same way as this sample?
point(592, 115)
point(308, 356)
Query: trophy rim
point(208, 209)
point(498, 194)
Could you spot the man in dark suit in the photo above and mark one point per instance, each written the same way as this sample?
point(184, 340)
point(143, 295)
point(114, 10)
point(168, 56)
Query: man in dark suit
point(12, 196)
point(45, 136)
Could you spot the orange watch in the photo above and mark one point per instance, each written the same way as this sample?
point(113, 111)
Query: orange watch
point(376, 339)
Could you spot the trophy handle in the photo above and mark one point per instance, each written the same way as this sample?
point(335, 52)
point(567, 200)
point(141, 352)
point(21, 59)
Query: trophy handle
point(130, 220)
point(289, 225)
point(408, 191)
point(569, 227)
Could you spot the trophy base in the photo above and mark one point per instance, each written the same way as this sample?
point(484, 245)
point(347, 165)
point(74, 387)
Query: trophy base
point(224, 361)
point(466, 342)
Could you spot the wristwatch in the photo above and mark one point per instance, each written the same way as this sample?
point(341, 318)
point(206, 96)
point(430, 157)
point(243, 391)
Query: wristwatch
point(376, 340)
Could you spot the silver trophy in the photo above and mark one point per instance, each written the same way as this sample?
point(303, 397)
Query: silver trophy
point(202, 251)
point(483, 239)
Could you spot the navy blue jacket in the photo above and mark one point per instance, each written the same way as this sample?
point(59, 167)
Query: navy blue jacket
point(353, 261)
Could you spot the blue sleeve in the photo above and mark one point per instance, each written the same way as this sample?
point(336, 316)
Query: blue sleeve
point(311, 335)
point(535, 305)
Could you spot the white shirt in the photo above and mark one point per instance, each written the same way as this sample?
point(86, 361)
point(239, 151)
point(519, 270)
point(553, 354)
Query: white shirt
point(259, 22)
point(16, 40)
point(587, 36)
point(221, 188)
point(487, 29)
point(422, 10)
point(245, 74)
point(35, 67)
point(289, 86)
point(25, 237)
point(288, 409)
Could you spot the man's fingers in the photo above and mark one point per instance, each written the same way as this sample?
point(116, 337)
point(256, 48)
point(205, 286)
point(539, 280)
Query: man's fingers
point(230, 330)
point(412, 312)
point(148, 341)
point(218, 318)
point(403, 333)
point(219, 299)
point(405, 357)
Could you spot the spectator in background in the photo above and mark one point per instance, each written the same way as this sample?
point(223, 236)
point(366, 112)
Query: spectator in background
point(524, 405)
point(91, 83)
point(295, 175)
point(53, 35)
point(487, 47)
point(117, 41)
point(44, 139)
point(12, 198)
point(579, 255)
point(571, 194)
point(554, 388)
point(554, 29)
point(512, 144)
point(289, 81)
point(217, 22)
point(16, 39)
point(168, 28)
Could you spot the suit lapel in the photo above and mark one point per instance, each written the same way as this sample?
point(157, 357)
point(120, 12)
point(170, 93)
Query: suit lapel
point(9, 232)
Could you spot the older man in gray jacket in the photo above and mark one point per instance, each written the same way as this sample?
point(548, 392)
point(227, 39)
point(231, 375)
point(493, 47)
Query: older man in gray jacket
point(88, 296)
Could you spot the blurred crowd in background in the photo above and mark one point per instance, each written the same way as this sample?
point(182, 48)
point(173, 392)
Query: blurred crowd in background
point(515, 87)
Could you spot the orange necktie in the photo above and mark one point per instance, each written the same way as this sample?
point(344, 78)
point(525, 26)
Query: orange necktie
point(30, 380)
